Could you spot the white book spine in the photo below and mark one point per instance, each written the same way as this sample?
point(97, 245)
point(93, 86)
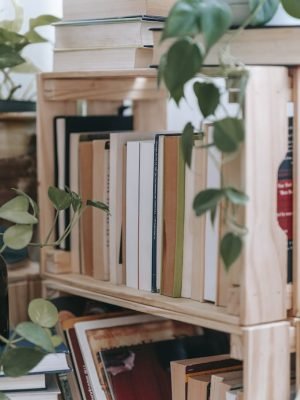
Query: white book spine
point(146, 214)
point(132, 213)
point(212, 232)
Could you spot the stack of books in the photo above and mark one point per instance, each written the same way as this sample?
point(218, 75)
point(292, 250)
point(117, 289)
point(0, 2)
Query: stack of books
point(99, 35)
point(42, 382)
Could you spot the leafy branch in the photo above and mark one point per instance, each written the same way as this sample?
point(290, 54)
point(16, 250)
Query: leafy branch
point(195, 26)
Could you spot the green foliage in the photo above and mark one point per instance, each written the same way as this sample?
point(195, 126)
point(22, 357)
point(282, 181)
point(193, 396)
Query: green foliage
point(43, 313)
point(230, 249)
point(187, 143)
point(12, 44)
point(264, 10)
point(208, 96)
point(292, 7)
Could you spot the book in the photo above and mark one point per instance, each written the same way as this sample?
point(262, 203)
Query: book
point(105, 33)
point(86, 220)
point(269, 45)
point(51, 392)
point(82, 327)
point(171, 274)
point(73, 9)
point(194, 227)
point(31, 381)
point(64, 127)
point(116, 163)
point(143, 370)
point(132, 334)
point(132, 214)
point(100, 220)
point(65, 60)
point(285, 199)
point(145, 215)
point(198, 387)
point(224, 382)
point(181, 370)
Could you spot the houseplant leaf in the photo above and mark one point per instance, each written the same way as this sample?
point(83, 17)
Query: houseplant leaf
point(32, 35)
point(265, 13)
point(33, 333)
point(9, 58)
point(17, 237)
point(231, 247)
point(208, 96)
point(187, 142)
point(19, 361)
point(207, 200)
point(292, 7)
point(60, 199)
point(228, 133)
point(43, 313)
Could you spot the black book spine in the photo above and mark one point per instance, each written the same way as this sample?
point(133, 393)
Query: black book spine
point(154, 224)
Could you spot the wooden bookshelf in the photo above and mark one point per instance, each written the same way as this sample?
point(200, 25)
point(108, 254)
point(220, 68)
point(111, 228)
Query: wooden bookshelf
point(257, 316)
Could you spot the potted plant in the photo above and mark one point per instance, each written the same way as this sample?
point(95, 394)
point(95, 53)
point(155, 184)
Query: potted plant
point(12, 60)
point(22, 214)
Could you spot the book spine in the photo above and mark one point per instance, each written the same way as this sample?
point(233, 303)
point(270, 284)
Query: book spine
point(154, 218)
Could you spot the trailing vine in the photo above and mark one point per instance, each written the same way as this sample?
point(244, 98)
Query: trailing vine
point(195, 26)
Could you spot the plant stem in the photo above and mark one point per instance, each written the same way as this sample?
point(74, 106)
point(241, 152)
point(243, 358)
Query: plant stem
point(52, 227)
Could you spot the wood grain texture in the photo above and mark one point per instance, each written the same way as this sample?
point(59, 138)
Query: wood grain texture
point(266, 362)
point(264, 277)
point(186, 310)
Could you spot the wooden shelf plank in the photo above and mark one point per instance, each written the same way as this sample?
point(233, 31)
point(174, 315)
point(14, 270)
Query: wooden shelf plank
point(186, 310)
point(151, 72)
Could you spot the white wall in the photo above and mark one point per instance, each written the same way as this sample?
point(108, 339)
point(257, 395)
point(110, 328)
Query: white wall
point(41, 53)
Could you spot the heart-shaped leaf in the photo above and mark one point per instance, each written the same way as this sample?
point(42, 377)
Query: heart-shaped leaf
point(208, 96)
point(18, 217)
point(18, 237)
point(18, 203)
point(19, 361)
point(35, 334)
point(60, 199)
point(292, 7)
point(187, 143)
point(231, 247)
point(228, 133)
point(207, 200)
point(43, 313)
point(184, 60)
point(98, 204)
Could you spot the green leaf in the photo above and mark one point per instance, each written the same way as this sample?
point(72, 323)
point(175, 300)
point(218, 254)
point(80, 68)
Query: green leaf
point(9, 58)
point(236, 196)
point(266, 12)
point(98, 204)
point(292, 7)
point(56, 340)
point(18, 236)
point(36, 335)
point(16, 23)
point(187, 143)
point(18, 217)
point(43, 313)
point(191, 17)
point(216, 20)
point(18, 203)
point(208, 96)
point(76, 201)
point(161, 68)
point(231, 247)
point(184, 60)
point(60, 199)
point(41, 20)
point(19, 361)
point(213, 213)
point(184, 20)
point(228, 133)
point(26, 68)
point(32, 203)
point(13, 40)
point(207, 200)
point(3, 396)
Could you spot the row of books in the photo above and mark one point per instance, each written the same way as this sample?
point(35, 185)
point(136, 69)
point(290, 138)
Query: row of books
point(119, 354)
point(152, 239)
point(119, 35)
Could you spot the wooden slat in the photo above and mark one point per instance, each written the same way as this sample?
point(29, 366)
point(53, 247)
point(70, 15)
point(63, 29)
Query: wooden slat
point(263, 297)
point(148, 72)
point(203, 314)
point(106, 89)
point(266, 362)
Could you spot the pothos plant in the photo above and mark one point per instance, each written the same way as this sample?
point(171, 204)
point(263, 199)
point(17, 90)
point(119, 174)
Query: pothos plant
point(22, 213)
point(195, 26)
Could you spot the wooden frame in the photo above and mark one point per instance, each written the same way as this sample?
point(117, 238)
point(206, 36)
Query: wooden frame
point(257, 284)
